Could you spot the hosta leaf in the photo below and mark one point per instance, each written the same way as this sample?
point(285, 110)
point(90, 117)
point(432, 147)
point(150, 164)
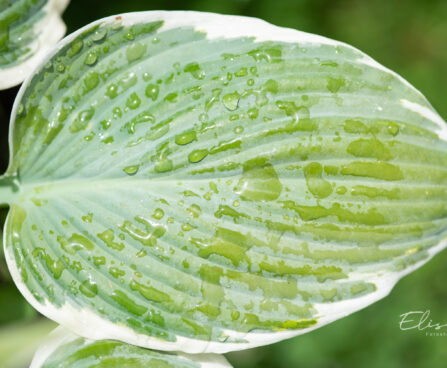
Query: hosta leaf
point(66, 350)
point(200, 182)
point(28, 30)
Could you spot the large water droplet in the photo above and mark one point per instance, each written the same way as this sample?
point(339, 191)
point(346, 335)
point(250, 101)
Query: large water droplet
point(112, 90)
point(99, 34)
point(75, 47)
point(231, 101)
point(89, 288)
point(91, 58)
point(163, 165)
point(259, 182)
point(185, 138)
point(318, 186)
point(135, 51)
point(197, 155)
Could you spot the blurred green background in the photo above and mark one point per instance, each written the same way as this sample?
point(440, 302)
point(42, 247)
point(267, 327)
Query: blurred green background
point(409, 37)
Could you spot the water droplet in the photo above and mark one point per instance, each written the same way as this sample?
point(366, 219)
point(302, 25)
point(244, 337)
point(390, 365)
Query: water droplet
point(296, 112)
point(91, 81)
point(141, 253)
point(152, 91)
point(89, 288)
point(81, 122)
point(271, 86)
point(393, 129)
point(133, 101)
point(318, 186)
point(75, 47)
point(112, 91)
point(195, 70)
point(242, 72)
point(116, 272)
point(60, 67)
point(163, 165)
point(90, 59)
point(87, 218)
point(231, 101)
point(108, 140)
point(253, 70)
point(194, 210)
point(98, 261)
point(135, 51)
point(158, 214)
point(185, 138)
point(117, 113)
point(131, 170)
point(147, 77)
point(197, 155)
point(269, 54)
point(99, 34)
point(108, 237)
point(341, 190)
point(171, 97)
point(129, 35)
point(259, 182)
point(261, 99)
point(253, 113)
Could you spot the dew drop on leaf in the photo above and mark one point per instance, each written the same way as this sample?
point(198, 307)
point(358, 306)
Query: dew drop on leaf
point(131, 170)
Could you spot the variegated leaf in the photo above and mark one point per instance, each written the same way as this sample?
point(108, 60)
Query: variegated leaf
point(66, 350)
point(28, 30)
point(207, 183)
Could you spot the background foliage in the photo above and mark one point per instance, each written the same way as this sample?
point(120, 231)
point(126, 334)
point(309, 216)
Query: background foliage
point(409, 37)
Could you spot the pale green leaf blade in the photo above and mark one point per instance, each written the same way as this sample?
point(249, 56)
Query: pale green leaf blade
point(28, 30)
point(206, 183)
point(62, 349)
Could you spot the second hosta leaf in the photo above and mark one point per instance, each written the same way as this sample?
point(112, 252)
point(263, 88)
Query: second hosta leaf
point(29, 29)
point(63, 349)
point(197, 182)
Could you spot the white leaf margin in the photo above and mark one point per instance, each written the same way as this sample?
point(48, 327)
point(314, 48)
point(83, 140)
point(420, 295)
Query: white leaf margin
point(86, 323)
point(61, 336)
point(48, 31)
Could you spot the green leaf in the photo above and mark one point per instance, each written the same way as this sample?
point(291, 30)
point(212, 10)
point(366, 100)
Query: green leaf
point(28, 30)
point(65, 350)
point(207, 183)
